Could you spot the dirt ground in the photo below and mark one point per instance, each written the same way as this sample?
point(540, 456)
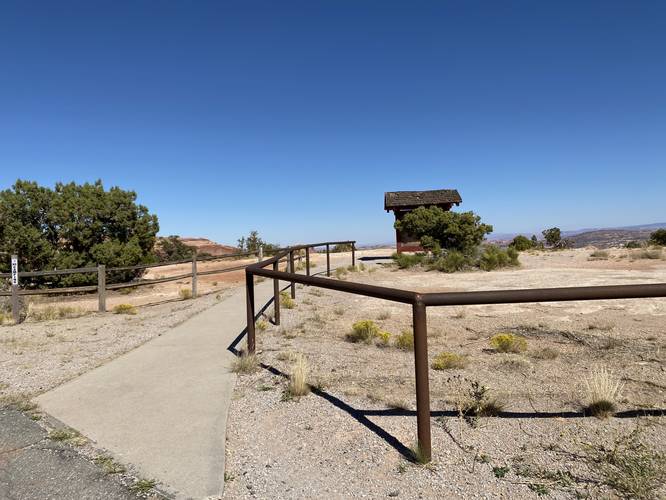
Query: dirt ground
point(350, 438)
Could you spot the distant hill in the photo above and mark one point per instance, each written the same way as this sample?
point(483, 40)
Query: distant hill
point(598, 237)
point(208, 246)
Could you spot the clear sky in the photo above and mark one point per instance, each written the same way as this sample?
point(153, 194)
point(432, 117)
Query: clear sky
point(294, 117)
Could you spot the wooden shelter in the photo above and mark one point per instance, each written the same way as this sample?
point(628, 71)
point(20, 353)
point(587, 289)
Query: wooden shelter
point(403, 202)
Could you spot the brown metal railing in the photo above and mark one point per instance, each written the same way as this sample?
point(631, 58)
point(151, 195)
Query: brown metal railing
point(419, 302)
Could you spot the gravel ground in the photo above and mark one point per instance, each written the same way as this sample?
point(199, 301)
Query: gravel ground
point(37, 356)
point(349, 438)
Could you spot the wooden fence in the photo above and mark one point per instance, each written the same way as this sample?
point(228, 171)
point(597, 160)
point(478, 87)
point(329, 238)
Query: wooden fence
point(102, 272)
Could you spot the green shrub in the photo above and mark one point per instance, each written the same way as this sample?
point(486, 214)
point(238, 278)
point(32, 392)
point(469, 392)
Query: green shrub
point(658, 237)
point(493, 257)
point(407, 260)
point(383, 338)
point(405, 341)
point(448, 360)
point(553, 236)
point(508, 342)
point(438, 228)
point(342, 247)
point(521, 243)
point(286, 301)
point(125, 309)
point(363, 331)
point(451, 262)
point(633, 244)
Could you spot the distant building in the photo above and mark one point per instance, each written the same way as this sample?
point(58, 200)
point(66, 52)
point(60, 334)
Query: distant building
point(403, 202)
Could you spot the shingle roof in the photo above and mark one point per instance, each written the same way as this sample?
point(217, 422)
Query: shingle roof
point(404, 199)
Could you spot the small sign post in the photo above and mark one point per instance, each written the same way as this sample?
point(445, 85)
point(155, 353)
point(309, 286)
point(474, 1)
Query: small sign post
point(15, 286)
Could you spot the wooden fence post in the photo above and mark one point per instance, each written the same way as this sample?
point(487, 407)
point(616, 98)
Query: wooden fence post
point(260, 257)
point(194, 274)
point(353, 254)
point(101, 288)
point(16, 312)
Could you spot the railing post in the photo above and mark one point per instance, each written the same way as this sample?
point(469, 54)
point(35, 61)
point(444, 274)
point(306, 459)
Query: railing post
point(292, 269)
point(276, 294)
point(307, 261)
point(422, 383)
point(249, 299)
point(194, 274)
point(101, 288)
point(16, 309)
point(328, 260)
point(260, 257)
point(353, 254)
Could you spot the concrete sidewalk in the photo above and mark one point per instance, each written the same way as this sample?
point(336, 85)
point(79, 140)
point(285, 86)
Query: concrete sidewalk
point(163, 407)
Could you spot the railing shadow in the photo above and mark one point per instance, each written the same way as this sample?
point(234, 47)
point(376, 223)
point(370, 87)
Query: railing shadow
point(361, 415)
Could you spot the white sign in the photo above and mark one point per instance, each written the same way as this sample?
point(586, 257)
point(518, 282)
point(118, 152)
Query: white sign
point(14, 271)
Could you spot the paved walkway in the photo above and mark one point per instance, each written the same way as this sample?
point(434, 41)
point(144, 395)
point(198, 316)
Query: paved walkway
point(163, 406)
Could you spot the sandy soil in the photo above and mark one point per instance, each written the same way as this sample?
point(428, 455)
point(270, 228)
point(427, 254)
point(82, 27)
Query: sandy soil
point(349, 439)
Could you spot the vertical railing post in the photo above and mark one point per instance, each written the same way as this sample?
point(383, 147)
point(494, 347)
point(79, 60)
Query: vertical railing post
point(307, 261)
point(328, 260)
point(101, 288)
point(276, 294)
point(422, 383)
point(353, 254)
point(292, 269)
point(194, 274)
point(16, 309)
point(249, 300)
point(260, 257)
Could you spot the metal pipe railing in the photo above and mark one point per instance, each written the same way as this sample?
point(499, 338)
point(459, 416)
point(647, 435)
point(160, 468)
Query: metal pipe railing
point(420, 302)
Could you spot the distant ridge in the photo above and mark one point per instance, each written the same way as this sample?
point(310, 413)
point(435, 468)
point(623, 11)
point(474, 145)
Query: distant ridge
point(598, 237)
point(205, 245)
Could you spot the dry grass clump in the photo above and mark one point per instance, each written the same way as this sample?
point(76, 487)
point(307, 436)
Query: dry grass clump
point(245, 363)
point(405, 340)
point(5, 318)
point(298, 385)
point(125, 309)
point(262, 325)
point(185, 293)
point(286, 301)
point(448, 360)
point(363, 331)
point(602, 391)
point(546, 353)
point(384, 315)
point(383, 338)
point(52, 313)
point(599, 255)
point(341, 272)
point(109, 465)
point(508, 342)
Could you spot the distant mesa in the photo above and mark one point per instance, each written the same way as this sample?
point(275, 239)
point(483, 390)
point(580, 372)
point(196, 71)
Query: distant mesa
point(204, 245)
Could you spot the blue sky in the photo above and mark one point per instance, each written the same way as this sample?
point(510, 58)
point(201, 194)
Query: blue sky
point(293, 118)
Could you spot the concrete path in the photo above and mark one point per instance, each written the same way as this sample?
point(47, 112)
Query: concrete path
point(163, 407)
point(33, 467)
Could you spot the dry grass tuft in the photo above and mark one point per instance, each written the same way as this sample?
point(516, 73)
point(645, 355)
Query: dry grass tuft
point(51, 313)
point(245, 363)
point(602, 391)
point(448, 360)
point(125, 309)
point(298, 377)
point(286, 301)
point(185, 293)
point(546, 353)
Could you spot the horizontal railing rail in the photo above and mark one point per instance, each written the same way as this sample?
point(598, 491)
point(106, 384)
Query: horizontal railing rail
point(420, 301)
